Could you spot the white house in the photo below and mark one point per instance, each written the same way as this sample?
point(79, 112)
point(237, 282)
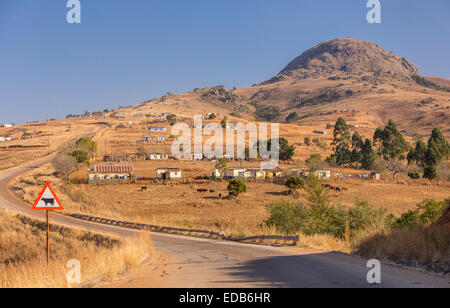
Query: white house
point(6, 125)
point(168, 174)
point(161, 138)
point(158, 129)
point(2, 139)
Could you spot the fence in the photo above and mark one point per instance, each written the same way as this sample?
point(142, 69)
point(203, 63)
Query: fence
point(170, 230)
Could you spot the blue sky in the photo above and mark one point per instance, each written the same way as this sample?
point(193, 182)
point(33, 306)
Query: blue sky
point(127, 51)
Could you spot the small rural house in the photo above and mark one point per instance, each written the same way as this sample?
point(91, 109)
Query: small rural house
point(275, 173)
point(323, 174)
point(107, 173)
point(320, 132)
point(161, 138)
point(158, 129)
point(2, 139)
point(168, 174)
point(157, 156)
point(6, 125)
point(258, 173)
point(375, 176)
point(235, 173)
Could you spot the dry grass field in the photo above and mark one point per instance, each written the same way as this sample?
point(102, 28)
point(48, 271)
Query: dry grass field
point(180, 205)
point(23, 259)
point(47, 137)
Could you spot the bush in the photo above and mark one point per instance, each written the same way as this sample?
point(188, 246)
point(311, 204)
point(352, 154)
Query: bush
point(414, 175)
point(427, 213)
point(295, 183)
point(287, 217)
point(430, 172)
point(237, 187)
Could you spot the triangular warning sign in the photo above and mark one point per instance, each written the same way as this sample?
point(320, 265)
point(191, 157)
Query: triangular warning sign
point(47, 200)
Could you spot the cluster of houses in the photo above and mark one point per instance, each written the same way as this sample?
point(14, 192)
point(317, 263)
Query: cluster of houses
point(372, 176)
point(244, 173)
point(153, 139)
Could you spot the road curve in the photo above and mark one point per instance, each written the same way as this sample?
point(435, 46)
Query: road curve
point(202, 263)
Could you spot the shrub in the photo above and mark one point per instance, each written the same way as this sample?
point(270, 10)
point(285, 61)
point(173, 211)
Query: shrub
point(414, 175)
point(237, 187)
point(427, 213)
point(430, 172)
point(295, 183)
point(287, 217)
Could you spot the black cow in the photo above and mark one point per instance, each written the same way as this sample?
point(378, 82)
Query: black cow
point(48, 201)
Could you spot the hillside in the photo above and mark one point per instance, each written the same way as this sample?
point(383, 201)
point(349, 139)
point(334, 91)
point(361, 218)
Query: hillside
point(323, 83)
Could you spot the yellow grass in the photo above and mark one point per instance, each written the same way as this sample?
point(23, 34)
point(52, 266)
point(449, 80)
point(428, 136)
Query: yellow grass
point(23, 261)
point(421, 244)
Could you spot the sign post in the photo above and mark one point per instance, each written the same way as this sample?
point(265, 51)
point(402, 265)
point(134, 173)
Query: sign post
point(47, 201)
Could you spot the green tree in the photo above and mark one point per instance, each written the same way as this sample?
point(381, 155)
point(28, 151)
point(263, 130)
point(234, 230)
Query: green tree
point(439, 144)
point(418, 154)
point(315, 162)
point(81, 157)
point(368, 156)
point(172, 119)
point(236, 187)
point(221, 166)
point(223, 123)
point(295, 183)
point(286, 151)
point(88, 145)
point(430, 172)
point(393, 145)
point(342, 142)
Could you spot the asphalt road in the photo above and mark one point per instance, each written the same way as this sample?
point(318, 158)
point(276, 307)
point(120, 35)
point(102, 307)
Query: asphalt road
point(202, 263)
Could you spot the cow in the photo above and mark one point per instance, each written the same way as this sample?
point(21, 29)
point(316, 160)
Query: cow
point(202, 190)
point(212, 191)
point(144, 188)
point(49, 201)
point(344, 189)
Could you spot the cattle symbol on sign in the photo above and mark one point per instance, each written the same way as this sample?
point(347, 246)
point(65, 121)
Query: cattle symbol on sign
point(47, 200)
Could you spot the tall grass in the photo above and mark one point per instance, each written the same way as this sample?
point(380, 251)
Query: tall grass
point(23, 259)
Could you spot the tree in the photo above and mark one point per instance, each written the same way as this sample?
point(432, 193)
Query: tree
point(418, 154)
point(342, 142)
point(172, 119)
point(396, 166)
point(236, 187)
point(441, 144)
point(307, 141)
point(443, 171)
point(286, 151)
point(81, 157)
point(87, 144)
point(292, 117)
point(430, 172)
point(223, 123)
point(315, 162)
point(368, 156)
point(393, 145)
point(212, 116)
point(64, 164)
point(221, 166)
point(295, 183)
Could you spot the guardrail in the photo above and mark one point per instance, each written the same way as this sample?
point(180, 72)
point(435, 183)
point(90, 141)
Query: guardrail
point(171, 230)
